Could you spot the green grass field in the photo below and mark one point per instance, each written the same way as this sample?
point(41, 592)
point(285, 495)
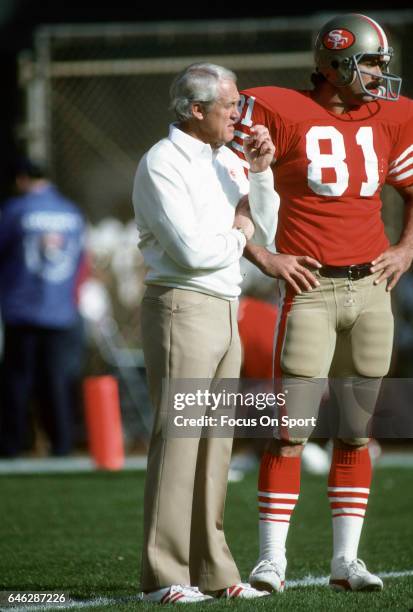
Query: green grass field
point(80, 534)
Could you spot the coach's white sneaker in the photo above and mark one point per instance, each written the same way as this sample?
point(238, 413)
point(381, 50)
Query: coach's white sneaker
point(269, 575)
point(176, 594)
point(242, 590)
point(353, 576)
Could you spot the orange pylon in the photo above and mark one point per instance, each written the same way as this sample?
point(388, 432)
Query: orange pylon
point(104, 421)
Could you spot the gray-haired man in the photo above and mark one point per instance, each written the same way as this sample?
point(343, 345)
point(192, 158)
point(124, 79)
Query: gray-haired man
point(192, 235)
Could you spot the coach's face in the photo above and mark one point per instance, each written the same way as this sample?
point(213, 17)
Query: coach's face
point(216, 124)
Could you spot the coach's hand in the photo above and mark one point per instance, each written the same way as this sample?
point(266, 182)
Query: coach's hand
point(392, 264)
point(292, 268)
point(259, 149)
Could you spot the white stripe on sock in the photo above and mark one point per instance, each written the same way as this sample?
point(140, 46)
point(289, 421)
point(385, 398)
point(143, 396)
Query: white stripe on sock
point(275, 517)
point(358, 500)
point(358, 511)
point(277, 495)
point(277, 505)
point(348, 490)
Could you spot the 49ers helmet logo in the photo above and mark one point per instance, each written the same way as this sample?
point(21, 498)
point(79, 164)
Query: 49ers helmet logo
point(338, 39)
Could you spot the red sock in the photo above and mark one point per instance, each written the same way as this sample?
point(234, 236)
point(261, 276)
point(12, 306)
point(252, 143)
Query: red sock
point(278, 485)
point(350, 477)
point(278, 490)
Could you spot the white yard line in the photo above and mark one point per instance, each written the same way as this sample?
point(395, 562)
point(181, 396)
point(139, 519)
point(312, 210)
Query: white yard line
point(307, 581)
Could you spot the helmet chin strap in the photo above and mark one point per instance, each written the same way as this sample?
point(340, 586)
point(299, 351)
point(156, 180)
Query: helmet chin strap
point(336, 81)
point(347, 83)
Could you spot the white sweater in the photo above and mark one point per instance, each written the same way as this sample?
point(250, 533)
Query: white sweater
point(185, 194)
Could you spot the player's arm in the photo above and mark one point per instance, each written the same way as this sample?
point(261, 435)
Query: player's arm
point(294, 269)
point(397, 258)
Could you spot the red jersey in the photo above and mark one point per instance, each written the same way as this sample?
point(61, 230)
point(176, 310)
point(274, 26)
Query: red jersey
point(330, 170)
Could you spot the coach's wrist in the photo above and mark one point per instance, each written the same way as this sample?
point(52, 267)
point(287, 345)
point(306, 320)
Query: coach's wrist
point(260, 172)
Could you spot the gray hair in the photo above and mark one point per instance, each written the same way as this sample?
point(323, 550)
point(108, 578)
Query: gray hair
point(197, 83)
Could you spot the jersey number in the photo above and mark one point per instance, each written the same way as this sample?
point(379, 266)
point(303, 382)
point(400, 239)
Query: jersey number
point(335, 160)
point(247, 119)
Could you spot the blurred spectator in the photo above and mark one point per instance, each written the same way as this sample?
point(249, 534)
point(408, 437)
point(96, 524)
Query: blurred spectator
point(41, 257)
point(403, 298)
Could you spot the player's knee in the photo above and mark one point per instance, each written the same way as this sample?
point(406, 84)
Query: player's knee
point(354, 442)
point(292, 447)
point(372, 343)
point(296, 441)
point(305, 346)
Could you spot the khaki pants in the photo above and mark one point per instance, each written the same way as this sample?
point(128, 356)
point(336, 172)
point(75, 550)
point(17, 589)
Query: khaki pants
point(343, 330)
point(187, 334)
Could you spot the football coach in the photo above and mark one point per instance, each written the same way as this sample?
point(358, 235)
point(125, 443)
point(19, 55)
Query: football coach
point(195, 210)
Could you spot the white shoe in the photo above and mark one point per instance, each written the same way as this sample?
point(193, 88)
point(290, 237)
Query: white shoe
point(269, 575)
point(353, 576)
point(176, 594)
point(242, 590)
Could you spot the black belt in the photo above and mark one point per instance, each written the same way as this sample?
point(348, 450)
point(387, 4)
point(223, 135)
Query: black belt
point(354, 272)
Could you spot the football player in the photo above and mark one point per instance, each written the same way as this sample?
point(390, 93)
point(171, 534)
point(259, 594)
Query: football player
point(336, 146)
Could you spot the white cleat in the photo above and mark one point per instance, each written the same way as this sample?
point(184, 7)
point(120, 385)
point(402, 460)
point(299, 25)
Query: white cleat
point(353, 576)
point(176, 594)
point(242, 590)
point(269, 575)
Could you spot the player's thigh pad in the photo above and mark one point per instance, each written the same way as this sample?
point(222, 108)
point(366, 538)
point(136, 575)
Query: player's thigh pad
point(372, 342)
point(307, 343)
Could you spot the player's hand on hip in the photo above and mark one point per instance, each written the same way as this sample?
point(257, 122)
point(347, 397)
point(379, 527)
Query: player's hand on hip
point(392, 264)
point(293, 269)
point(259, 149)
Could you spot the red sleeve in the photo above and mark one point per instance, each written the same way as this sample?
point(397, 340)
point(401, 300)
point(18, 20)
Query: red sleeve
point(400, 173)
